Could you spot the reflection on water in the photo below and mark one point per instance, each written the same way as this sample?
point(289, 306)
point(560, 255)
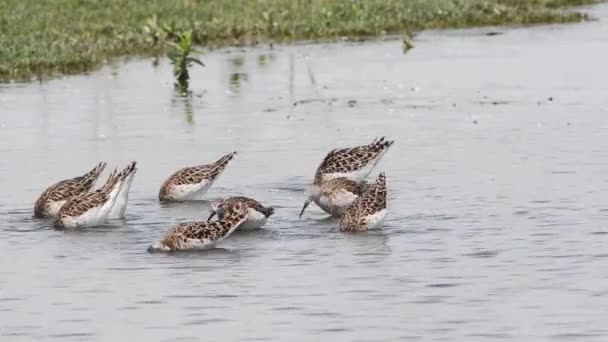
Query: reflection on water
point(236, 80)
point(265, 59)
point(238, 75)
point(237, 62)
point(495, 226)
point(182, 102)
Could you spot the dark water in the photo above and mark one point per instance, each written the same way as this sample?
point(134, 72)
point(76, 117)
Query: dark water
point(497, 221)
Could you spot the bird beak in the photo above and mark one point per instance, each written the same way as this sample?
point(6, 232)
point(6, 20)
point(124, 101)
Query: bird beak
point(304, 207)
point(211, 216)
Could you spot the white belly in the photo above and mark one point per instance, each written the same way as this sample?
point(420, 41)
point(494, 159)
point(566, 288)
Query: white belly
point(374, 220)
point(53, 207)
point(189, 192)
point(120, 205)
point(96, 216)
point(194, 244)
point(255, 220)
point(336, 203)
point(93, 217)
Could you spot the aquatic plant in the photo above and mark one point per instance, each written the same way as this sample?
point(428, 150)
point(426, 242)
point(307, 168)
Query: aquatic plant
point(183, 56)
point(406, 42)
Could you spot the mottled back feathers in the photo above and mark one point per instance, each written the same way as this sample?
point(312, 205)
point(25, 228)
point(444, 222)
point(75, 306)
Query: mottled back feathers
point(348, 160)
point(342, 183)
point(247, 203)
point(372, 201)
point(183, 235)
point(66, 189)
point(195, 175)
point(79, 205)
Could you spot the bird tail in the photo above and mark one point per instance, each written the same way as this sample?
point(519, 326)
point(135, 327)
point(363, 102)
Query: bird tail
point(91, 177)
point(223, 161)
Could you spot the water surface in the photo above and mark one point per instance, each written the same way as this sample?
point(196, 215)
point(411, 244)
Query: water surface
point(496, 228)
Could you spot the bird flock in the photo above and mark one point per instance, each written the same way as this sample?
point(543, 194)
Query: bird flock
point(339, 188)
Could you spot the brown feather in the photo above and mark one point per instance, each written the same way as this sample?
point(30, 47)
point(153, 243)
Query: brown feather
point(66, 189)
point(79, 205)
point(370, 202)
point(351, 159)
point(177, 237)
point(194, 175)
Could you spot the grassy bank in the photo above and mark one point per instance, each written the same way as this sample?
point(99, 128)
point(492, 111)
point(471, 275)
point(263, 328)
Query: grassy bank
point(47, 37)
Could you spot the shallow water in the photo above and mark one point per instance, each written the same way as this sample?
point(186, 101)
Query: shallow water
point(496, 226)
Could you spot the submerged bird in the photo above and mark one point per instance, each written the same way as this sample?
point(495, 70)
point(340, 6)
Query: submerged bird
point(354, 165)
point(367, 212)
point(257, 214)
point(201, 235)
point(335, 195)
point(51, 200)
point(191, 183)
point(94, 208)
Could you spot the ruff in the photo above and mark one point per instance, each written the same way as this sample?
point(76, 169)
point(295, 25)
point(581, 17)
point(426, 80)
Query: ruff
point(367, 212)
point(191, 183)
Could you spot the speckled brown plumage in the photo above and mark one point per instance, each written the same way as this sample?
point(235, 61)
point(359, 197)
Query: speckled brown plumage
point(347, 160)
point(194, 175)
point(257, 214)
point(335, 195)
point(372, 201)
point(66, 189)
point(328, 188)
point(202, 234)
point(247, 203)
point(79, 205)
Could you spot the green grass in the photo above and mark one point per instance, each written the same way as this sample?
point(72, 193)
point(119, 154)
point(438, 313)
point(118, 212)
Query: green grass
point(40, 38)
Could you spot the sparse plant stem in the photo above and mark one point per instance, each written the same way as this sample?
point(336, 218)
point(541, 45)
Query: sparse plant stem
point(183, 56)
point(406, 41)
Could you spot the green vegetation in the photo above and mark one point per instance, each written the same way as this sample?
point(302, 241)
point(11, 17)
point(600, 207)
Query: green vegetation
point(406, 42)
point(183, 56)
point(45, 37)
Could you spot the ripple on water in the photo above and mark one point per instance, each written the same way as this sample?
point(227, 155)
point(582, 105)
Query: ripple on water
point(575, 336)
point(483, 254)
point(206, 321)
point(19, 222)
point(429, 299)
point(500, 336)
point(76, 335)
point(444, 285)
point(151, 302)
